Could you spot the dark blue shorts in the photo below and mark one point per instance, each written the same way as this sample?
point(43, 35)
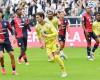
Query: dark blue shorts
point(61, 38)
point(90, 36)
point(22, 43)
point(6, 45)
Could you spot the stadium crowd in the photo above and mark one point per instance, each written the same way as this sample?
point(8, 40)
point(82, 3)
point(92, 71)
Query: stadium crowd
point(72, 8)
point(19, 15)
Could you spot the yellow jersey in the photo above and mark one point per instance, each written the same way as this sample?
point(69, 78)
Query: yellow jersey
point(46, 29)
point(96, 27)
point(54, 21)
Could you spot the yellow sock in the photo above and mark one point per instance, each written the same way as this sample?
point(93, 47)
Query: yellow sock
point(60, 61)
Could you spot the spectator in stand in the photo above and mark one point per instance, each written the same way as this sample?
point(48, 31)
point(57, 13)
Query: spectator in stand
point(92, 4)
point(98, 6)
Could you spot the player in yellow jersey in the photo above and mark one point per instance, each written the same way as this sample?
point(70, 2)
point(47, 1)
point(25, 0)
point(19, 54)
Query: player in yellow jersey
point(47, 33)
point(96, 27)
point(96, 24)
point(54, 20)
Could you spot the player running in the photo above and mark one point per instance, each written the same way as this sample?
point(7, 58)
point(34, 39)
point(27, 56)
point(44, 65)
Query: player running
point(55, 21)
point(48, 34)
point(96, 25)
point(21, 25)
point(6, 44)
point(62, 28)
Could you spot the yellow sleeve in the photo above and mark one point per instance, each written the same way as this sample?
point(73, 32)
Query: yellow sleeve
point(57, 22)
point(53, 31)
point(38, 33)
point(95, 28)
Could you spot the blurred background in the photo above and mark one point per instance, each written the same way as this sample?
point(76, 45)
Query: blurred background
point(73, 8)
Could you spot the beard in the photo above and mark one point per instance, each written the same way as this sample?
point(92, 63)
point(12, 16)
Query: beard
point(98, 20)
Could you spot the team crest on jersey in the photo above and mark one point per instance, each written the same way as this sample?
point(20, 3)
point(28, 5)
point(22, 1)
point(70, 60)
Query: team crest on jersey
point(45, 32)
point(65, 21)
point(5, 24)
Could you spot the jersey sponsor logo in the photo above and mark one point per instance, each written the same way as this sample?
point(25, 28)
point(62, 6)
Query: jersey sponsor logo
point(21, 26)
point(5, 24)
point(2, 32)
point(19, 44)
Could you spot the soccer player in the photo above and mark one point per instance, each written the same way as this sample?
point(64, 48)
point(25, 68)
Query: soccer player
point(54, 20)
point(88, 32)
point(96, 25)
point(62, 28)
point(5, 43)
point(21, 25)
point(26, 28)
point(47, 34)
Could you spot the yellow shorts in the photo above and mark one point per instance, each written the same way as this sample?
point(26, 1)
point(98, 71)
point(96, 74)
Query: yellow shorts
point(51, 47)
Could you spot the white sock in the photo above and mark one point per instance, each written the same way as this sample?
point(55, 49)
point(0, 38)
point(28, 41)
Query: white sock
point(62, 53)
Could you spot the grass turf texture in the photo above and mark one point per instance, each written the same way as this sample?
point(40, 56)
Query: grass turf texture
point(78, 67)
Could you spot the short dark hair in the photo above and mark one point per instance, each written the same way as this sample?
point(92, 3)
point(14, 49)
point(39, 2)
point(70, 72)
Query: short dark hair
point(41, 14)
point(49, 11)
point(18, 9)
point(87, 7)
point(1, 11)
point(97, 13)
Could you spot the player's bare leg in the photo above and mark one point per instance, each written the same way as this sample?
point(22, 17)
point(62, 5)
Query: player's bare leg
point(23, 54)
point(95, 47)
point(2, 63)
point(62, 55)
point(11, 54)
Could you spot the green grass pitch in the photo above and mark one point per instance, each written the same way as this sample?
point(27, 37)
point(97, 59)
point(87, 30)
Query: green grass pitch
point(77, 66)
